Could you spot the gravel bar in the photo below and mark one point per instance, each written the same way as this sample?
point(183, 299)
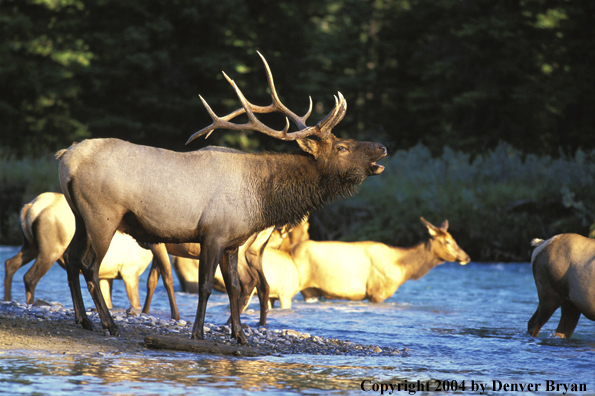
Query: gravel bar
point(276, 342)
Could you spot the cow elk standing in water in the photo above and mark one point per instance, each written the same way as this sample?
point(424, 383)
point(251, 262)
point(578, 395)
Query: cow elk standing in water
point(47, 224)
point(279, 269)
point(185, 263)
point(215, 196)
point(564, 272)
point(370, 270)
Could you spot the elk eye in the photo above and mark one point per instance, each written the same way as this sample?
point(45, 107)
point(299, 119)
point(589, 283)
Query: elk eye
point(341, 149)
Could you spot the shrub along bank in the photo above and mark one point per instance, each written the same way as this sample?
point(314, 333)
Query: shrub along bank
point(495, 202)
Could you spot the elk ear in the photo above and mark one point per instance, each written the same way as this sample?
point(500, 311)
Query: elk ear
point(310, 146)
point(432, 229)
point(444, 225)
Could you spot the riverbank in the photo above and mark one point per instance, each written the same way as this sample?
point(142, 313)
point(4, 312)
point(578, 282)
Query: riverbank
point(50, 328)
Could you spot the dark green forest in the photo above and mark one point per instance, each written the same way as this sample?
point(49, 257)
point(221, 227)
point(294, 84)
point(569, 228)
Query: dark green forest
point(463, 75)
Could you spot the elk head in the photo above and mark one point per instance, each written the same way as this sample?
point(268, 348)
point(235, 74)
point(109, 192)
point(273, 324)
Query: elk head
point(352, 161)
point(447, 247)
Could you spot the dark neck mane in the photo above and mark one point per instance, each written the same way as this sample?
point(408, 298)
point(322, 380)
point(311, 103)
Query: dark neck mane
point(295, 187)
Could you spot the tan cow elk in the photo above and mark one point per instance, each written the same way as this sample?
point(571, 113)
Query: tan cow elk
point(370, 270)
point(279, 268)
point(47, 224)
point(186, 257)
point(564, 273)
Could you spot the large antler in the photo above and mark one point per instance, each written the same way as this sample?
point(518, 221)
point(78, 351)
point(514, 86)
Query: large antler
point(322, 129)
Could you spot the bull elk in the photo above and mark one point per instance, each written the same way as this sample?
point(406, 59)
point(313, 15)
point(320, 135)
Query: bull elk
point(47, 225)
point(564, 273)
point(215, 196)
point(370, 270)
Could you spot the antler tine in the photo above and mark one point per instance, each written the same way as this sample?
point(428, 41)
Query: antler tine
point(218, 122)
point(254, 122)
point(333, 117)
point(299, 121)
point(322, 129)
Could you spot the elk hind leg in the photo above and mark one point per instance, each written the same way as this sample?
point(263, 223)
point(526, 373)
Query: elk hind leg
point(49, 253)
point(543, 313)
point(73, 257)
point(106, 286)
point(27, 253)
point(568, 320)
point(131, 284)
point(90, 268)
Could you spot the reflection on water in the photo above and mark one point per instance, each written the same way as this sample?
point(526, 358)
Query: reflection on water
point(460, 323)
point(158, 372)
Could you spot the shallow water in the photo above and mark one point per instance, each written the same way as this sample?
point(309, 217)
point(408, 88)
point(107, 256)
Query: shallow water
point(460, 323)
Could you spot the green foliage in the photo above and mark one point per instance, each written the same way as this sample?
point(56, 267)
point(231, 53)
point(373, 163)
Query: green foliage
point(21, 180)
point(417, 74)
point(495, 203)
point(462, 73)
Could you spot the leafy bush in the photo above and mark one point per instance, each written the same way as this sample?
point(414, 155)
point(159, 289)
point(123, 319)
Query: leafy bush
point(495, 203)
point(21, 180)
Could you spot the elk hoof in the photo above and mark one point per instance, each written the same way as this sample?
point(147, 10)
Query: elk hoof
point(197, 336)
point(87, 324)
point(114, 330)
point(241, 338)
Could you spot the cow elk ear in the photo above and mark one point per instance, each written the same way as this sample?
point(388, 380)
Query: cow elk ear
point(310, 146)
point(432, 229)
point(444, 225)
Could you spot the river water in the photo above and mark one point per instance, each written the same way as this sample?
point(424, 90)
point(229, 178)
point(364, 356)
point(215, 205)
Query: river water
point(465, 325)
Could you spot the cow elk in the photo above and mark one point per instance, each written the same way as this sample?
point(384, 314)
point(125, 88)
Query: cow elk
point(278, 267)
point(47, 225)
point(564, 273)
point(215, 196)
point(370, 270)
point(185, 263)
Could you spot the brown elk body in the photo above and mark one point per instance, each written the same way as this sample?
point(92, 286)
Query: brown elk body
point(564, 273)
point(47, 224)
point(370, 270)
point(217, 197)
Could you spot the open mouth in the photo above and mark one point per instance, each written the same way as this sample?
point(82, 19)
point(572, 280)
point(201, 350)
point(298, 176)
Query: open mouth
point(375, 168)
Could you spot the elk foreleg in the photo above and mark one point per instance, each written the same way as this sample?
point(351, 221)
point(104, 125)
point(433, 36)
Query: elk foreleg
point(229, 269)
point(151, 284)
point(27, 253)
